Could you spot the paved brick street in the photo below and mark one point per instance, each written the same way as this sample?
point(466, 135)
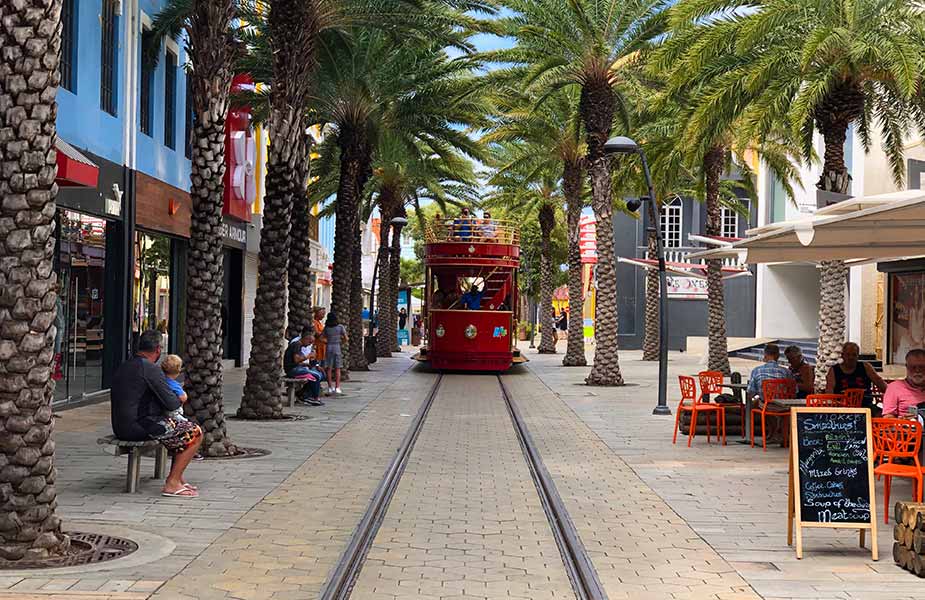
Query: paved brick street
point(658, 521)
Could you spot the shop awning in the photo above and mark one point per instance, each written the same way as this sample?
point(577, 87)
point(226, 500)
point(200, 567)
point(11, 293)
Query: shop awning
point(74, 169)
point(884, 226)
point(685, 269)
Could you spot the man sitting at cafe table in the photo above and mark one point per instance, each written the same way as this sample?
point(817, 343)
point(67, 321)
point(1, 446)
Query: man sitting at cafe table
point(771, 369)
point(906, 395)
point(800, 370)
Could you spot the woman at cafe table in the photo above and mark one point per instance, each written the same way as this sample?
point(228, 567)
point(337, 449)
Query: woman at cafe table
point(853, 374)
point(801, 370)
point(909, 393)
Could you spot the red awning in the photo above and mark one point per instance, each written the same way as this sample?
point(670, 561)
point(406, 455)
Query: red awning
point(74, 169)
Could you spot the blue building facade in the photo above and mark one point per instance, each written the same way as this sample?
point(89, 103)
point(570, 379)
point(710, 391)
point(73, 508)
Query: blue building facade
point(122, 233)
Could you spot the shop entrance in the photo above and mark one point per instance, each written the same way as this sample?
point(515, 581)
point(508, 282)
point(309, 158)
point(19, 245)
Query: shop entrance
point(232, 301)
point(81, 266)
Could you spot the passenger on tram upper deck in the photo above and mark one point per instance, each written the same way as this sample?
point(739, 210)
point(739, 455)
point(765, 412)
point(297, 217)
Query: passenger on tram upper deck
point(462, 226)
point(488, 229)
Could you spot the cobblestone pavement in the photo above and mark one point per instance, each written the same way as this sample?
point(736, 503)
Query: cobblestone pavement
point(638, 545)
point(466, 521)
point(733, 497)
point(173, 532)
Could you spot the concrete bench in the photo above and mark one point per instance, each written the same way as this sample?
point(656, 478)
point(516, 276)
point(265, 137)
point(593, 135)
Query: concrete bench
point(292, 385)
point(134, 451)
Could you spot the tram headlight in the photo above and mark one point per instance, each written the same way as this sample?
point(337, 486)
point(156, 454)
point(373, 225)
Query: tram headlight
point(471, 332)
point(440, 331)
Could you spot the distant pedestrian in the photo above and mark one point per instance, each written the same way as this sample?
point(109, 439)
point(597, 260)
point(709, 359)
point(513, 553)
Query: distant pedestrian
point(402, 318)
point(334, 335)
point(318, 325)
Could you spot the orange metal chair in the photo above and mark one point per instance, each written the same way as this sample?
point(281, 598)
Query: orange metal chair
point(689, 394)
point(826, 400)
point(711, 382)
point(854, 397)
point(772, 389)
point(897, 438)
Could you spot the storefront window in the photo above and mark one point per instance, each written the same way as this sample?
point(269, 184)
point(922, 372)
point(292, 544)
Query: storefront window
point(907, 314)
point(151, 288)
point(81, 267)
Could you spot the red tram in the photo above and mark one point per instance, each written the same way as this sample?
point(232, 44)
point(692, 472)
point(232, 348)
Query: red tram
point(470, 296)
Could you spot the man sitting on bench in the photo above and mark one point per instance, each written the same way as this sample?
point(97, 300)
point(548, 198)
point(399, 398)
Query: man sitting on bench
point(296, 363)
point(141, 405)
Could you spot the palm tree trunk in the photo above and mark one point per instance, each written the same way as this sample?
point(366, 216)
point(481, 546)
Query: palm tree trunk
point(394, 282)
point(292, 36)
point(300, 255)
point(212, 58)
point(29, 528)
point(596, 108)
point(356, 358)
point(844, 105)
point(387, 211)
point(718, 353)
point(650, 339)
point(355, 153)
point(547, 217)
point(571, 189)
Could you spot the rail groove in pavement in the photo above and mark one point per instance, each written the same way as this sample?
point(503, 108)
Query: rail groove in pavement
point(340, 584)
point(575, 558)
point(577, 563)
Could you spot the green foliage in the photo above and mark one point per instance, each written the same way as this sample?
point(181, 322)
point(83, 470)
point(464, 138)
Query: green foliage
point(412, 271)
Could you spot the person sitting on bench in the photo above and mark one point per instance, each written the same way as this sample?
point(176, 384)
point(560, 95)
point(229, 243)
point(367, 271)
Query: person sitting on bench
point(296, 365)
point(141, 403)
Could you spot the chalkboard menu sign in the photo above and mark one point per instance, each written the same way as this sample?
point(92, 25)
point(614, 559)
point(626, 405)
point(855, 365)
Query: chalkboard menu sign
point(832, 482)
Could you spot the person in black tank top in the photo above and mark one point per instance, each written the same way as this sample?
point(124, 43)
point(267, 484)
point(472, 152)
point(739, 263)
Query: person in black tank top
point(853, 374)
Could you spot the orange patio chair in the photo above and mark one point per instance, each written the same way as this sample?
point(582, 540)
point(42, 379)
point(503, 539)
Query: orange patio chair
point(691, 403)
point(773, 389)
point(711, 382)
point(897, 438)
point(826, 400)
point(854, 397)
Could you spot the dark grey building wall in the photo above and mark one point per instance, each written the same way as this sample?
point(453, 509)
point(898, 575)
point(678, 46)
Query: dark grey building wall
point(685, 317)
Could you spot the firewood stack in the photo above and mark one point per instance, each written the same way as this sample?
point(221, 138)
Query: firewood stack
point(909, 536)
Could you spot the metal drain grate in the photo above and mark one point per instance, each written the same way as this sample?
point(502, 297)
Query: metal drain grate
point(85, 549)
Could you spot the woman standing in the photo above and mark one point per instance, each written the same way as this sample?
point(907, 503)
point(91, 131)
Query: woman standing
point(334, 335)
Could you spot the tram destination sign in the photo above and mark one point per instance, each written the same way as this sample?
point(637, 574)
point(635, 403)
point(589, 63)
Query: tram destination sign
point(832, 482)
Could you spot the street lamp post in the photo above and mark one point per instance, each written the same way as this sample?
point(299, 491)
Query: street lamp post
point(370, 347)
point(625, 145)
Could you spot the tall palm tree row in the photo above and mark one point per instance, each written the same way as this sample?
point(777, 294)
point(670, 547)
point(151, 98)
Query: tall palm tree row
point(293, 27)
point(30, 36)
point(590, 45)
point(817, 66)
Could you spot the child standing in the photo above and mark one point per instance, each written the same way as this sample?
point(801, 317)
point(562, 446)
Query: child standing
point(334, 335)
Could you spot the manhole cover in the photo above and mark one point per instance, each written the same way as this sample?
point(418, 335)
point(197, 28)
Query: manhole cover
point(242, 453)
point(85, 549)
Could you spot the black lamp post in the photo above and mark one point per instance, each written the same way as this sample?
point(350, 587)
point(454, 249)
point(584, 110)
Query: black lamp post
point(625, 145)
point(370, 347)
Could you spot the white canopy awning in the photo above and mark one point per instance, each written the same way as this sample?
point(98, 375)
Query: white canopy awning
point(884, 226)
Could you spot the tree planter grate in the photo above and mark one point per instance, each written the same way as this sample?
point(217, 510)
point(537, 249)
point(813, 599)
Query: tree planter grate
point(241, 453)
point(85, 549)
point(285, 417)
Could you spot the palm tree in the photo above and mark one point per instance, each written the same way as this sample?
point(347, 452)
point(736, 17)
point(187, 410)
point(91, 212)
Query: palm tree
point(593, 45)
point(29, 528)
point(369, 87)
point(212, 50)
point(300, 263)
point(293, 33)
point(525, 194)
point(552, 131)
point(818, 66)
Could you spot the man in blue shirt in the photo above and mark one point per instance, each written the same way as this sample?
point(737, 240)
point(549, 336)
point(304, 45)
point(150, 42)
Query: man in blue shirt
point(771, 369)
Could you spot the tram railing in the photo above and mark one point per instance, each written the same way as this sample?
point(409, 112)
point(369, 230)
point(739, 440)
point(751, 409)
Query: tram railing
point(472, 230)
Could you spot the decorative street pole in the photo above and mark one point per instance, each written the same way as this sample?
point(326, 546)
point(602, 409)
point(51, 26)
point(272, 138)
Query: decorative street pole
point(625, 145)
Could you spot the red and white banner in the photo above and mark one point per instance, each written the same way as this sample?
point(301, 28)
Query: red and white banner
point(587, 239)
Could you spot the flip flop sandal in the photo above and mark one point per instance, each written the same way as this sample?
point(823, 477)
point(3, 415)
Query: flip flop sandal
point(190, 486)
point(183, 492)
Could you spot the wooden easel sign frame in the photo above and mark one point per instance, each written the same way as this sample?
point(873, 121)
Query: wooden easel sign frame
point(831, 455)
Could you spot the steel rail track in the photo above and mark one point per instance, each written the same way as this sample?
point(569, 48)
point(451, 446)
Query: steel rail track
point(341, 582)
point(577, 563)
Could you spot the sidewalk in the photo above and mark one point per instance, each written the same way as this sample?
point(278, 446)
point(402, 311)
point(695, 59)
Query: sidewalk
point(172, 532)
point(733, 497)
